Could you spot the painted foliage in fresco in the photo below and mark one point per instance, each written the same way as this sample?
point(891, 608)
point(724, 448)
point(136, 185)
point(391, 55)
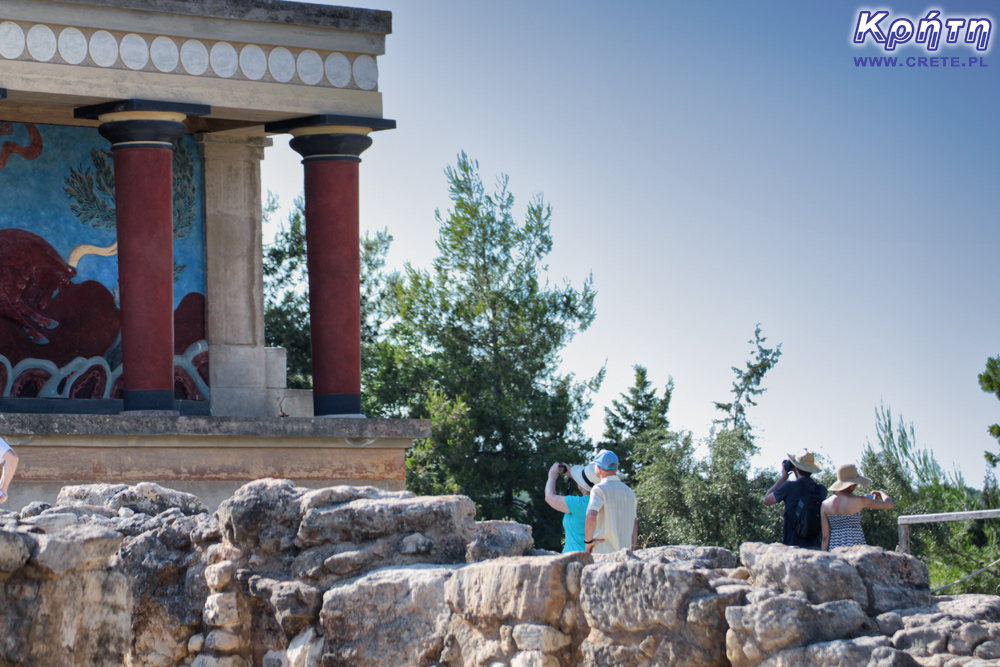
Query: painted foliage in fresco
point(60, 332)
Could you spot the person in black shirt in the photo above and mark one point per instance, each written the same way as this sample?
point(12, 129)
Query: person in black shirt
point(803, 498)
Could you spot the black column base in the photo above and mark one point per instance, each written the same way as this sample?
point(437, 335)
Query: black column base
point(149, 399)
point(337, 405)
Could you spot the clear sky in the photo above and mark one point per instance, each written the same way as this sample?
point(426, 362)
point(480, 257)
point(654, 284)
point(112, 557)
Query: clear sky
point(715, 165)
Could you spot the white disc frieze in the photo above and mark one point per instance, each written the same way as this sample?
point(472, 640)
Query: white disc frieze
point(194, 57)
point(253, 62)
point(11, 40)
point(72, 46)
point(365, 72)
point(338, 69)
point(134, 51)
point(310, 67)
point(281, 62)
point(42, 43)
point(103, 48)
point(164, 54)
point(224, 59)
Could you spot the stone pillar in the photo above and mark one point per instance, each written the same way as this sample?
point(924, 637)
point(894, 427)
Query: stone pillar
point(331, 147)
point(234, 275)
point(142, 135)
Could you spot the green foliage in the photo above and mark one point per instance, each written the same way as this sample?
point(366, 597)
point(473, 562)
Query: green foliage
point(989, 381)
point(487, 330)
point(715, 499)
point(92, 193)
point(638, 411)
point(919, 485)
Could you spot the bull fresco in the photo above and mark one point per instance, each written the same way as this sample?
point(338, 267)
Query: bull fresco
point(60, 331)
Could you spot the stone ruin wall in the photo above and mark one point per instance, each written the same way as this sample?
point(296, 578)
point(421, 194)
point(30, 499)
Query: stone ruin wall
point(282, 576)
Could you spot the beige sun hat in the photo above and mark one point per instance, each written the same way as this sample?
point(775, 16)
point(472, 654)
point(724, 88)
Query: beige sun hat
point(847, 475)
point(805, 461)
point(585, 476)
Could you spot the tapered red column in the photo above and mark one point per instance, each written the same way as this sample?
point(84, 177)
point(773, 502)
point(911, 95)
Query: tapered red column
point(143, 145)
point(332, 240)
point(331, 147)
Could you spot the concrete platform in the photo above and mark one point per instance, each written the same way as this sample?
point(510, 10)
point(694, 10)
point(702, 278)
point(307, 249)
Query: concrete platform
point(208, 456)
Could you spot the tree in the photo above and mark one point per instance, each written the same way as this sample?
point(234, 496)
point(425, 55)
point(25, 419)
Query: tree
point(919, 485)
point(489, 329)
point(715, 500)
point(989, 380)
point(638, 411)
point(286, 305)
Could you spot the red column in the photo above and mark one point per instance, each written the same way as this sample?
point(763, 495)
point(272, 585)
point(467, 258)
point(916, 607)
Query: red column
point(143, 158)
point(332, 237)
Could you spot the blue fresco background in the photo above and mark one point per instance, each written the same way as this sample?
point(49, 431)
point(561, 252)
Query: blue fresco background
point(32, 197)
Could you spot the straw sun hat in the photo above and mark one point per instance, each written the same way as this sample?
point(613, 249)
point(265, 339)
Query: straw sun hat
point(806, 461)
point(847, 475)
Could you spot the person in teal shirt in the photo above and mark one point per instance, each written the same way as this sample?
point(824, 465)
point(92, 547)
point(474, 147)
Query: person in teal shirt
point(573, 507)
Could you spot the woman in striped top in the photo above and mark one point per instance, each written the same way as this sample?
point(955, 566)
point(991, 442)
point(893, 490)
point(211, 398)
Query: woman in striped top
point(840, 514)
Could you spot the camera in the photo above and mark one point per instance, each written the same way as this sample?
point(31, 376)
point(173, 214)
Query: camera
point(563, 469)
point(787, 465)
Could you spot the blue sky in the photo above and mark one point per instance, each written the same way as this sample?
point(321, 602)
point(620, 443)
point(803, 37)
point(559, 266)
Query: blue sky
point(715, 165)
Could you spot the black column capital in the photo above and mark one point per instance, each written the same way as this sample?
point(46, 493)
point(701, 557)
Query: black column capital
point(142, 133)
point(338, 147)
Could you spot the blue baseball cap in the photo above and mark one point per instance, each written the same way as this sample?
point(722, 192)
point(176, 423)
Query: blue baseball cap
point(606, 460)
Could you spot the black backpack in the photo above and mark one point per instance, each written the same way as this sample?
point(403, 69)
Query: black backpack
point(805, 515)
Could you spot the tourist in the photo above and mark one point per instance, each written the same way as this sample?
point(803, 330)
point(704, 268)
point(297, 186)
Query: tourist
point(574, 507)
point(611, 522)
point(9, 467)
point(802, 498)
point(841, 512)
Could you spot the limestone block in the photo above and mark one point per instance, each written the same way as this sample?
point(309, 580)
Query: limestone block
point(988, 650)
point(13, 551)
point(760, 630)
point(296, 605)
point(497, 539)
point(638, 597)
point(886, 656)
point(965, 640)
point(276, 367)
point(526, 589)
point(80, 619)
point(533, 659)
point(923, 642)
point(208, 660)
point(223, 641)
point(275, 659)
point(196, 643)
point(822, 576)
point(893, 580)
point(403, 607)
point(839, 653)
point(416, 543)
point(79, 547)
point(219, 575)
point(306, 650)
point(708, 558)
point(534, 637)
point(222, 610)
point(52, 523)
point(445, 519)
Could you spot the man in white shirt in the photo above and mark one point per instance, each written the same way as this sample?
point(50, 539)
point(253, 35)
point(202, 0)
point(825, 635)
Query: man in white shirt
point(611, 523)
point(9, 460)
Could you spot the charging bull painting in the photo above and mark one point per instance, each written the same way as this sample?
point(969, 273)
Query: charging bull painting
point(59, 314)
